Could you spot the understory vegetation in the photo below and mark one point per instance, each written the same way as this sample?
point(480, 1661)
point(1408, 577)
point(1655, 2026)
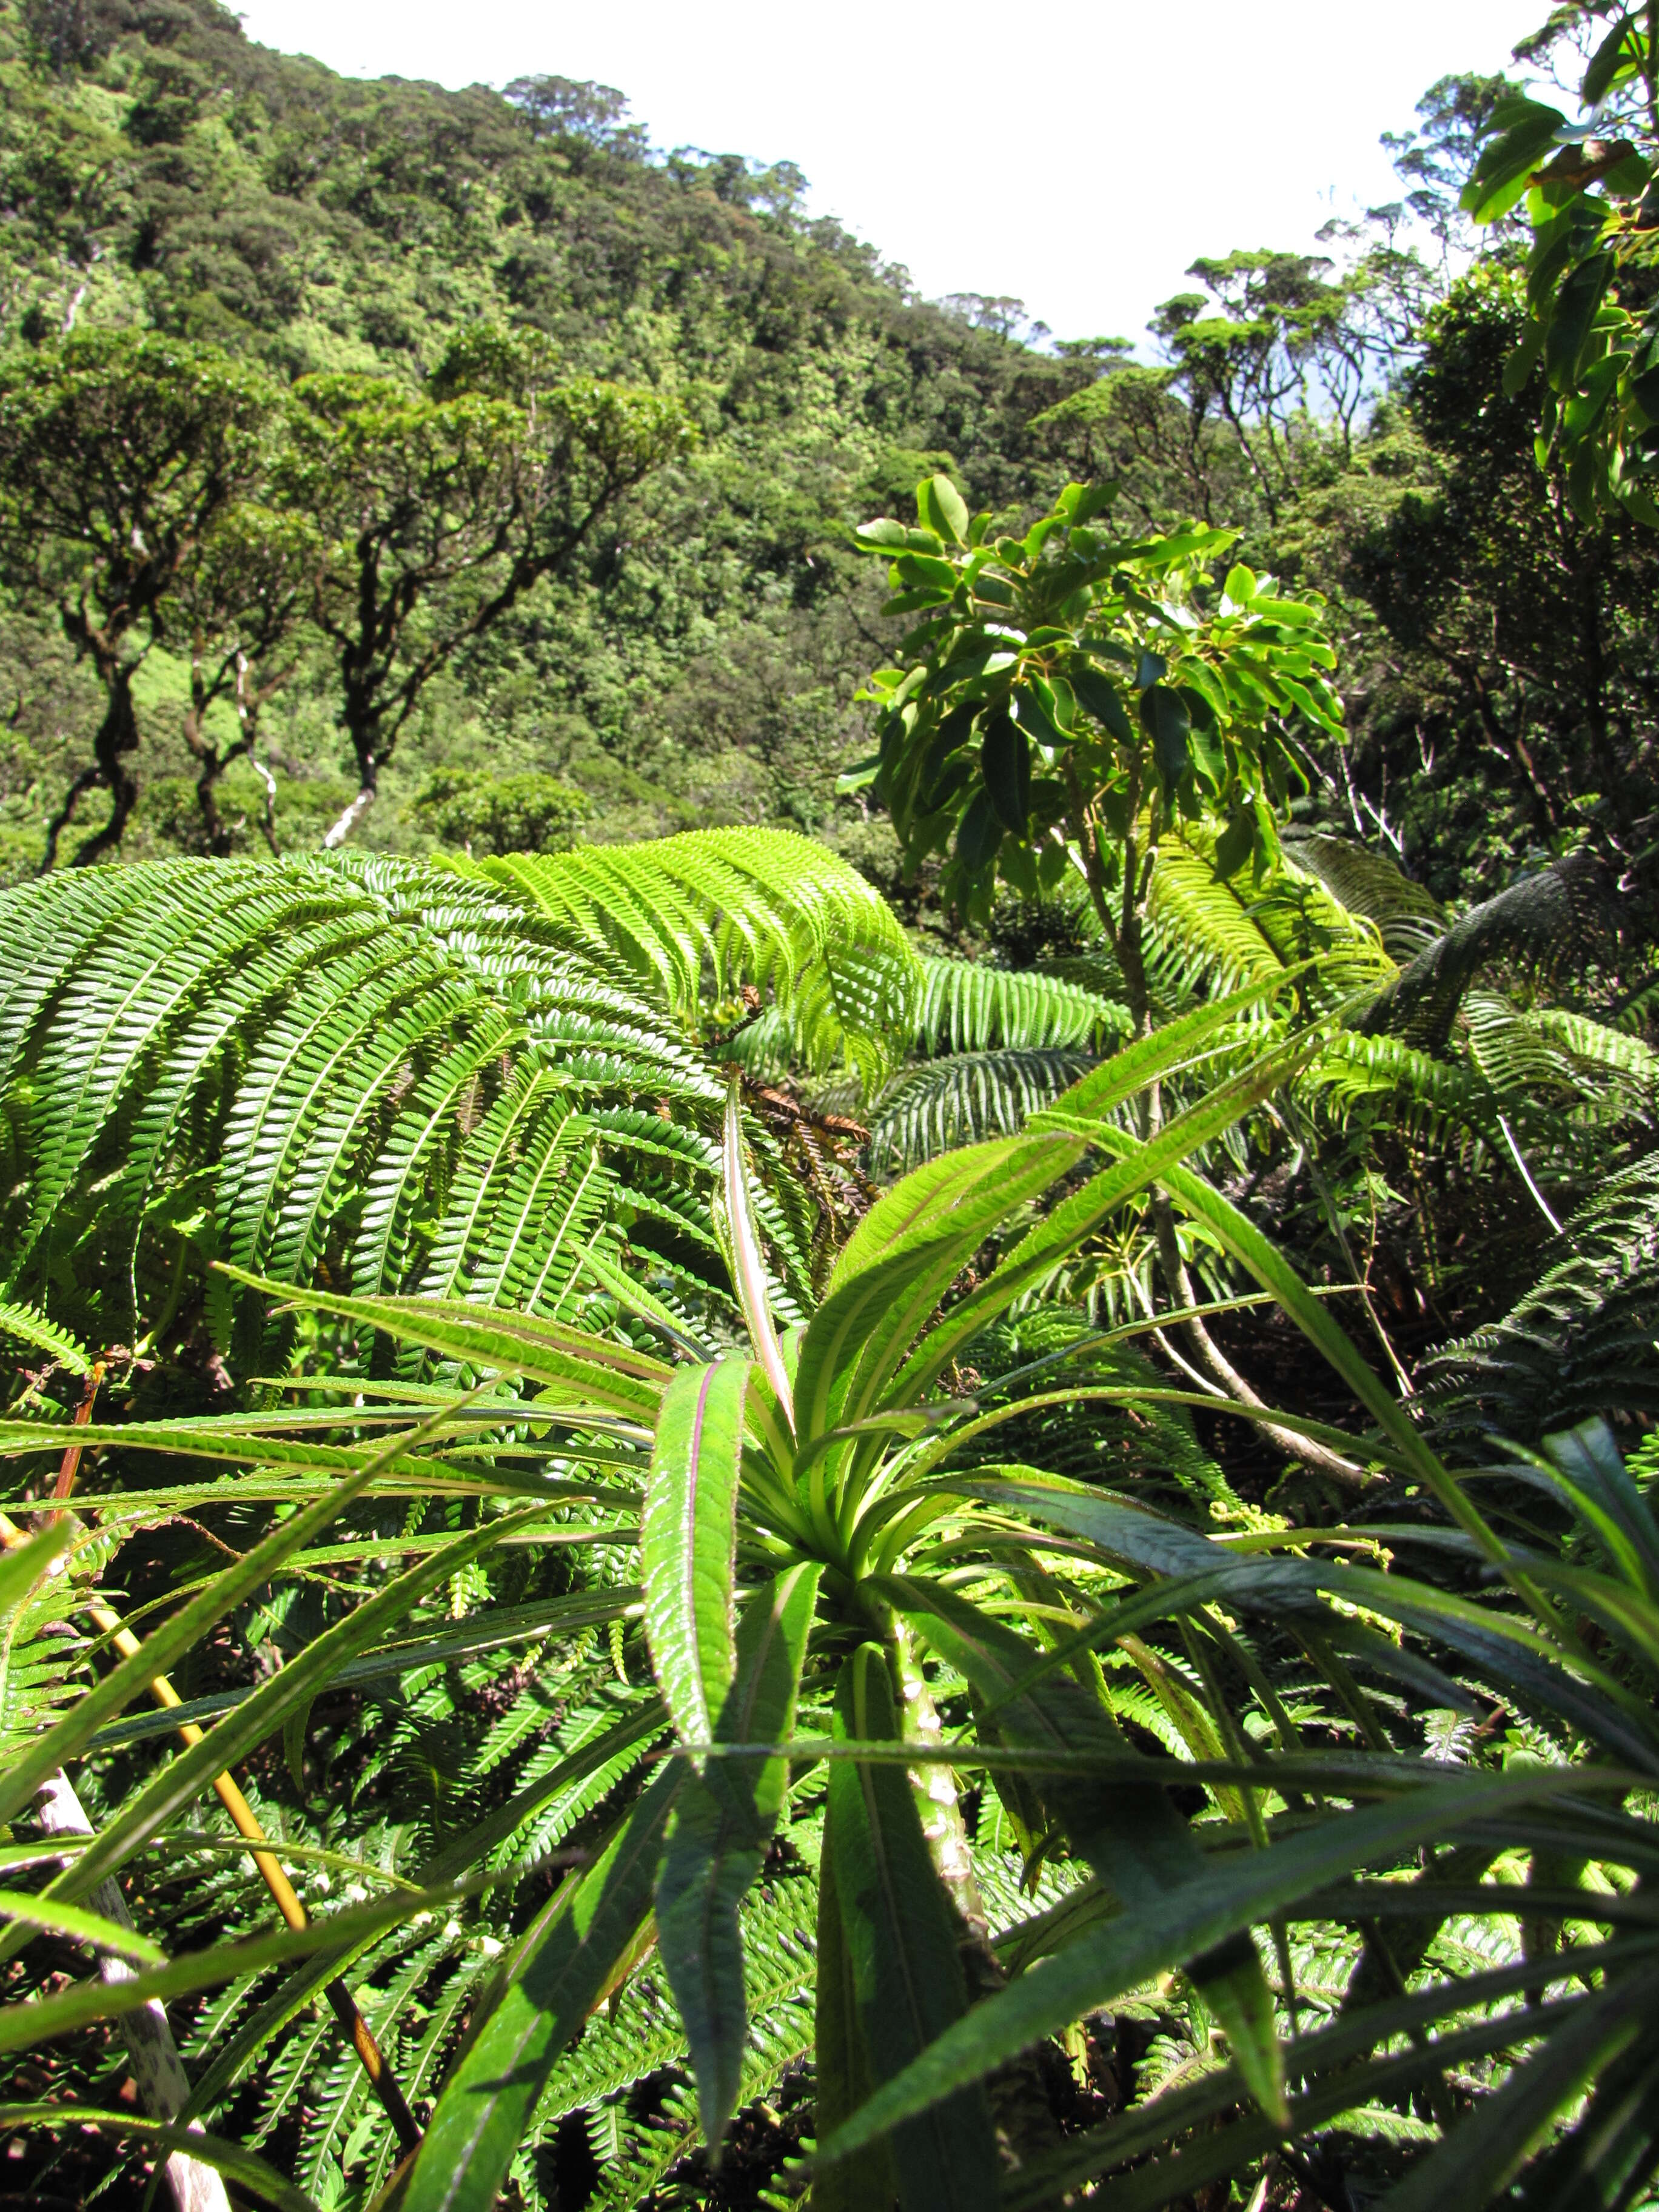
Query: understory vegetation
point(829, 1252)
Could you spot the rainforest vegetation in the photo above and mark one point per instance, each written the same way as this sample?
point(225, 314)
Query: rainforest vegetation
point(830, 1243)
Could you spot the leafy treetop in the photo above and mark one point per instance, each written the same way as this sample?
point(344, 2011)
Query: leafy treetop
point(1074, 692)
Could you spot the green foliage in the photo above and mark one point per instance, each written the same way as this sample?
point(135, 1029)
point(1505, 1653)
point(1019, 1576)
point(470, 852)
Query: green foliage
point(122, 457)
point(406, 1077)
point(1587, 193)
point(547, 1618)
point(1072, 691)
point(530, 813)
point(760, 1635)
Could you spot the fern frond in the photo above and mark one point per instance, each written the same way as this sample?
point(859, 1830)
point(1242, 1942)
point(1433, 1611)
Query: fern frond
point(962, 1099)
point(710, 910)
point(964, 1005)
point(1553, 919)
point(1584, 1340)
point(26, 1324)
point(363, 1065)
point(1368, 883)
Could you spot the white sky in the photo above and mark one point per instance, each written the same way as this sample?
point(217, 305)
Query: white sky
point(1077, 153)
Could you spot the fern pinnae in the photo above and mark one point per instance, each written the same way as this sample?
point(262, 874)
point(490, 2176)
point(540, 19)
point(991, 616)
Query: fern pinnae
point(191, 1056)
point(535, 1097)
point(48, 927)
point(25, 1324)
point(414, 1152)
point(288, 1085)
point(964, 1098)
point(541, 1272)
point(324, 1167)
point(557, 1165)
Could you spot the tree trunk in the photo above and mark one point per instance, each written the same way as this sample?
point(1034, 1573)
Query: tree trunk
point(117, 741)
point(342, 829)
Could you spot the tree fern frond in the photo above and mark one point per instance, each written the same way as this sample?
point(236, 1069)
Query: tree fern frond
point(1584, 1340)
point(721, 907)
point(964, 1005)
point(419, 1141)
point(317, 1042)
point(1554, 918)
point(1593, 1045)
point(1368, 883)
point(963, 1098)
point(1198, 919)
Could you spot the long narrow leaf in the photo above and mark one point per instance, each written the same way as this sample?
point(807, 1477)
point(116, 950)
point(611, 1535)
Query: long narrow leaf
point(559, 1972)
point(905, 1972)
point(688, 1538)
point(719, 1842)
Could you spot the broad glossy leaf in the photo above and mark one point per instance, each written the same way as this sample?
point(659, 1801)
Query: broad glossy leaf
point(688, 1538)
point(558, 1973)
point(905, 1975)
point(1005, 764)
point(1165, 719)
point(718, 1841)
point(940, 506)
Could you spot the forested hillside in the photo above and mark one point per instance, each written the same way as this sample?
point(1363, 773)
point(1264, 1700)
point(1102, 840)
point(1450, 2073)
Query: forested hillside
point(693, 661)
point(162, 171)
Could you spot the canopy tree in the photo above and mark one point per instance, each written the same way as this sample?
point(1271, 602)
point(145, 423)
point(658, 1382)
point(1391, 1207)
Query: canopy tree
point(439, 510)
point(237, 605)
point(119, 453)
point(1591, 191)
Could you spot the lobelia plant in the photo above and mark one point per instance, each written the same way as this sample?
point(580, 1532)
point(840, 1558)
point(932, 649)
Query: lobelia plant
point(839, 1581)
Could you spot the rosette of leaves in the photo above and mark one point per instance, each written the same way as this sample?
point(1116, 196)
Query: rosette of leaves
point(1067, 696)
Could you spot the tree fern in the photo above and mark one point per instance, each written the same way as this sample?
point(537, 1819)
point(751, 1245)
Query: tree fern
point(714, 908)
point(369, 1066)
